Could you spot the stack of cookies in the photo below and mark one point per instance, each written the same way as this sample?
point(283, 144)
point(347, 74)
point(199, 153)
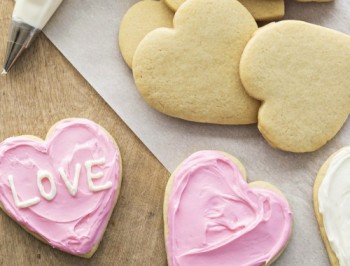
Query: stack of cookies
point(211, 64)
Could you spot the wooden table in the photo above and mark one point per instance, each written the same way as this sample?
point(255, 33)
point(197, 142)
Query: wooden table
point(43, 88)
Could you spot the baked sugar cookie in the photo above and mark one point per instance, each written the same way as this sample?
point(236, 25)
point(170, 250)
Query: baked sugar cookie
point(265, 10)
point(63, 189)
point(331, 202)
point(140, 19)
point(300, 72)
point(262, 10)
point(174, 4)
point(192, 71)
point(213, 217)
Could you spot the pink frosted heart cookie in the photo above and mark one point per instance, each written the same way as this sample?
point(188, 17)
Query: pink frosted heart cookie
point(213, 217)
point(62, 189)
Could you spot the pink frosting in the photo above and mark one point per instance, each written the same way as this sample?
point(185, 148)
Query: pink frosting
point(215, 218)
point(70, 223)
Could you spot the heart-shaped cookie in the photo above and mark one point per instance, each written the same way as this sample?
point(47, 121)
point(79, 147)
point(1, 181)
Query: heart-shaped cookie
point(300, 72)
point(331, 202)
point(262, 10)
point(213, 217)
point(192, 71)
point(63, 189)
point(140, 19)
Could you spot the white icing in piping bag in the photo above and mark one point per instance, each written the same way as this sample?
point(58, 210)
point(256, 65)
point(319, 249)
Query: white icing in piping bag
point(28, 19)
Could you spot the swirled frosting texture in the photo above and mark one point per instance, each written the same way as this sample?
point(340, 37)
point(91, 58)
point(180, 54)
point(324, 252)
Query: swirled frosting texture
point(215, 218)
point(334, 205)
point(70, 223)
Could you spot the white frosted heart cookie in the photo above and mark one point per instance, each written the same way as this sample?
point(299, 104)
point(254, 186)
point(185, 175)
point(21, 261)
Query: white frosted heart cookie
point(62, 189)
point(140, 19)
point(262, 10)
point(212, 216)
point(192, 71)
point(300, 72)
point(331, 202)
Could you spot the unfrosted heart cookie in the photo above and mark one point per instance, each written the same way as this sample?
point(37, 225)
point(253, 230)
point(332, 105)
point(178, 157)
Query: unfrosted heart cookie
point(192, 71)
point(62, 190)
point(213, 217)
point(140, 19)
point(300, 73)
point(332, 206)
point(265, 10)
point(262, 10)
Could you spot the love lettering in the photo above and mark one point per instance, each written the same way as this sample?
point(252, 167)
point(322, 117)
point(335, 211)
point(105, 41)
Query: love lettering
point(71, 187)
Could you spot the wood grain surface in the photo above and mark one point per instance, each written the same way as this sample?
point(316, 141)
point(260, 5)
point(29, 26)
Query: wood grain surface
point(43, 88)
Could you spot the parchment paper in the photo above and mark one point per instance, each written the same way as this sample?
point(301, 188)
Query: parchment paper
point(86, 31)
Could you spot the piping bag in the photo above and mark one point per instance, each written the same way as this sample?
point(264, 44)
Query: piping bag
point(28, 19)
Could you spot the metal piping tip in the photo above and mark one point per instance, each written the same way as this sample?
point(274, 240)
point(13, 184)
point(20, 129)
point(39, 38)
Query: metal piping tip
point(20, 38)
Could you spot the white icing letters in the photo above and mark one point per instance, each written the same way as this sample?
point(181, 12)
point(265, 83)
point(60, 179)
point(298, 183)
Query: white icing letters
point(72, 188)
point(90, 175)
point(21, 204)
point(40, 176)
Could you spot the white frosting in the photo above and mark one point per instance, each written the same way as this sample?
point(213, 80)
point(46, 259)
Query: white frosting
point(72, 188)
point(334, 205)
point(43, 174)
point(18, 203)
point(91, 175)
point(35, 12)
